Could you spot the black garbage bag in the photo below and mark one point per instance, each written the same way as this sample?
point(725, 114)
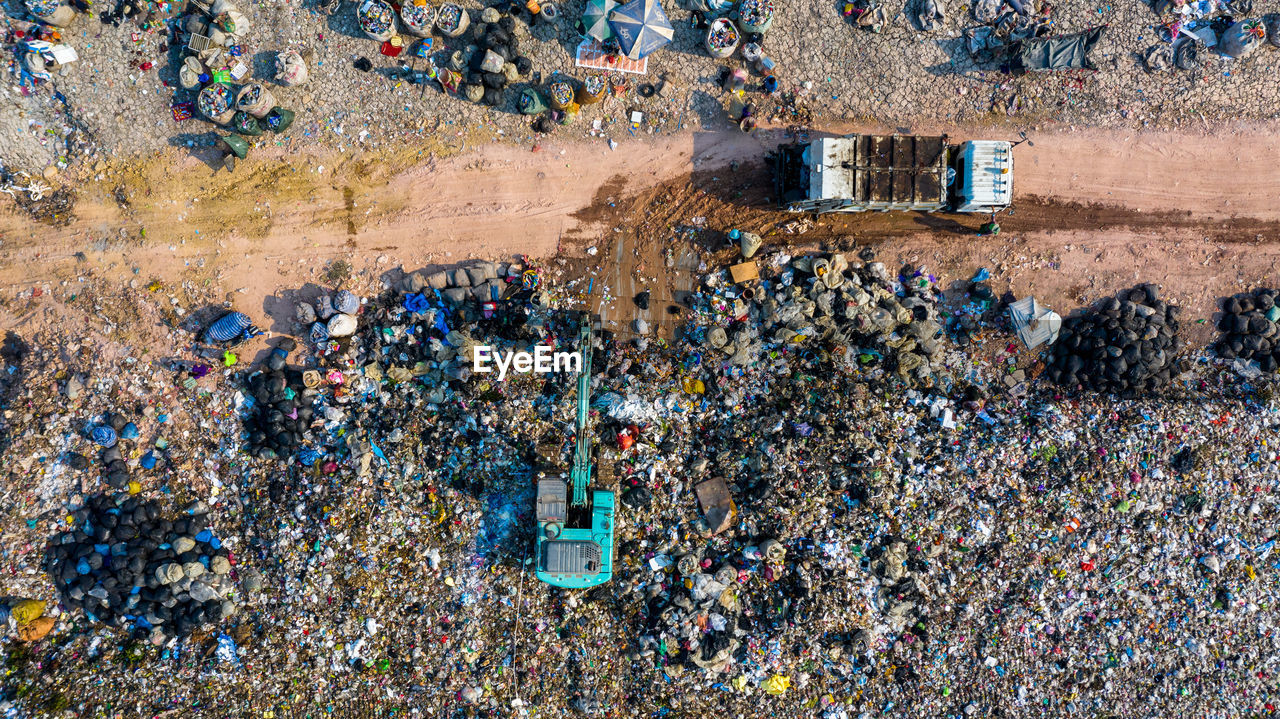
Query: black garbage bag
point(637, 498)
point(1187, 56)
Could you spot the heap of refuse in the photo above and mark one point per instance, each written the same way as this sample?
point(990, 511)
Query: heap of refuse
point(1248, 328)
point(483, 281)
point(1123, 345)
point(852, 313)
point(498, 62)
point(115, 472)
point(281, 409)
point(332, 317)
point(123, 562)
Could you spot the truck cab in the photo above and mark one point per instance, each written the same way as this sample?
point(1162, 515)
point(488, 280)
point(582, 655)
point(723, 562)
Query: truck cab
point(983, 176)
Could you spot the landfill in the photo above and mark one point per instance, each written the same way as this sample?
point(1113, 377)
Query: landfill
point(829, 506)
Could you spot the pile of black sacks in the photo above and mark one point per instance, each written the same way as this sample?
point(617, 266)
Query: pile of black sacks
point(1249, 331)
point(1123, 345)
point(123, 562)
point(282, 407)
point(500, 38)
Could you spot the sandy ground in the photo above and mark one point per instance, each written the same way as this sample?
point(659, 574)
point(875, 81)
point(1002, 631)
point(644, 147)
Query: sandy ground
point(1094, 210)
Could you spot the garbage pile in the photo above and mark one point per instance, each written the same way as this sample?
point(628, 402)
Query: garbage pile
point(1124, 345)
point(497, 64)
point(857, 315)
point(108, 436)
point(215, 64)
point(1190, 30)
point(1248, 328)
point(280, 402)
point(1016, 556)
point(480, 70)
point(332, 318)
point(125, 564)
point(483, 281)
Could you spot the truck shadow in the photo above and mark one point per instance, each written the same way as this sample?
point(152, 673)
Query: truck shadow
point(947, 223)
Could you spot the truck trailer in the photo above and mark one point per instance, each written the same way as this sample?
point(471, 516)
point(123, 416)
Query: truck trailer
point(858, 173)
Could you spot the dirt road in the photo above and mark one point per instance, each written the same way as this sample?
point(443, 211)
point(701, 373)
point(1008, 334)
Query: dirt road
point(278, 220)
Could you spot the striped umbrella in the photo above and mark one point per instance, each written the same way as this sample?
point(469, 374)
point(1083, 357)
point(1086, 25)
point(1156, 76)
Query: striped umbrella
point(641, 27)
point(595, 19)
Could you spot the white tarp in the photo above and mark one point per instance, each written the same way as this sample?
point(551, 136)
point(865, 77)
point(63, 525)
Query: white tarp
point(1034, 323)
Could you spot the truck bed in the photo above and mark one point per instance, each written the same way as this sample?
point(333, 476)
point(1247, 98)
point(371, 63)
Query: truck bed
point(863, 172)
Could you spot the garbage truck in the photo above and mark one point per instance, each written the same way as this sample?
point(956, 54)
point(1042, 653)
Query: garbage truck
point(859, 173)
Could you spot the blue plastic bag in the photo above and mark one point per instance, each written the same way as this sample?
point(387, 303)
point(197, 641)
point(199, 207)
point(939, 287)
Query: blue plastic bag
point(228, 327)
point(416, 303)
point(103, 436)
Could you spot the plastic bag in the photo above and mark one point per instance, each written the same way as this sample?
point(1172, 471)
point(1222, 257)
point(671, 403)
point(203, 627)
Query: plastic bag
point(1242, 38)
point(278, 120)
point(291, 69)
point(228, 327)
point(245, 124)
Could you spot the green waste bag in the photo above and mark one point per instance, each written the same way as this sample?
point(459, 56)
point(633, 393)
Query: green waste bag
point(279, 119)
point(246, 124)
point(238, 146)
point(531, 102)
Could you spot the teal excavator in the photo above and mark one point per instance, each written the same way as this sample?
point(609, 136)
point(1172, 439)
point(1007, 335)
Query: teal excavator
point(575, 523)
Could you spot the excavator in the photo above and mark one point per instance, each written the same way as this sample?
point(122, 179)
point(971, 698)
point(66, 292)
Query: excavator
point(574, 547)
